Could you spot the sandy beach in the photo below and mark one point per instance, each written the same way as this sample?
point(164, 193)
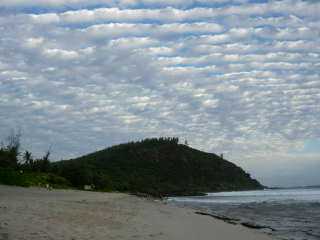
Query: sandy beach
point(33, 213)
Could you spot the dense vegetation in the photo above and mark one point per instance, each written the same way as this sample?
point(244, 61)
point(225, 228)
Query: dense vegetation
point(28, 179)
point(21, 169)
point(158, 167)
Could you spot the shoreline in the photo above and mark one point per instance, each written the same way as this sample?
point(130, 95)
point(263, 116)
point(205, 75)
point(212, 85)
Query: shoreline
point(33, 213)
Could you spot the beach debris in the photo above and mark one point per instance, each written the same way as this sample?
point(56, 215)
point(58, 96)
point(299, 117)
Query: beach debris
point(235, 221)
point(220, 217)
point(256, 226)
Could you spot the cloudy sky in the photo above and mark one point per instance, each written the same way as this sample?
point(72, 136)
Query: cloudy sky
point(237, 77)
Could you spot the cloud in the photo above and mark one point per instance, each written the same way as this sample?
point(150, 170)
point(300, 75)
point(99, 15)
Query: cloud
point(231, 76)
point(60, 53)
point(33, 42)
point(139, 30)
point(46, 18)
point(49, 3)
point(122, 3)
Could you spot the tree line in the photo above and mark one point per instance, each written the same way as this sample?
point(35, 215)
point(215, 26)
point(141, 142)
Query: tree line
point(11, 156)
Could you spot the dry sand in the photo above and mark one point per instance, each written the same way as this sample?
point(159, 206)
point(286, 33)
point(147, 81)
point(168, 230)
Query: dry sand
point(36, 214)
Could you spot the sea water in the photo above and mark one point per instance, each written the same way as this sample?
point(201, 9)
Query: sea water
point(284, 213)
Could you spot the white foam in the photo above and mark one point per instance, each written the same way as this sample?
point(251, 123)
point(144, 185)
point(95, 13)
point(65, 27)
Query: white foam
point(278, 195)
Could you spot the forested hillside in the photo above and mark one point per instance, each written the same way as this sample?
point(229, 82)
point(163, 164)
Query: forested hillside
point(159, 167)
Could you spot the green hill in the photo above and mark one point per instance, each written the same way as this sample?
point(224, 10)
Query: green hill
point(159, 167)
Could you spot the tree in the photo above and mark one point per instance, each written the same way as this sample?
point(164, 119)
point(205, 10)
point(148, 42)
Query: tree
point(46, 155)
point(42, 164)
point(9, 152)
point(27, 158)
point(28, 162)
point(46, 161)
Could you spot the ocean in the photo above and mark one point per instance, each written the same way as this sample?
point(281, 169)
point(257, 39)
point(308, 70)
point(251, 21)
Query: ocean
point(289, 214)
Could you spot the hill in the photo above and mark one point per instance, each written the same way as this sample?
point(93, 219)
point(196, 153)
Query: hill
point(159, 167)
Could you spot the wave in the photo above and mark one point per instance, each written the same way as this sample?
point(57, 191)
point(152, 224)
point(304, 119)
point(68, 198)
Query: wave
point(288, 196)
point(290, 214)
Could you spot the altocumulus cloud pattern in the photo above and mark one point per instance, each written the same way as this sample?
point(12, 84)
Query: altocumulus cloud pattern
point(233, 76)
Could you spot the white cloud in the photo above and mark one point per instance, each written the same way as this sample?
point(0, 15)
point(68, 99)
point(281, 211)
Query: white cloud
point(60, 53)
point(42, 3)
point(122, 3)
point(33, 42)
point(112, 30)
point(46, 18)
point(237, 78)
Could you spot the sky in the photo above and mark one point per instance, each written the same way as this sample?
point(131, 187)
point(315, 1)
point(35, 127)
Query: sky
point(237, 77)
